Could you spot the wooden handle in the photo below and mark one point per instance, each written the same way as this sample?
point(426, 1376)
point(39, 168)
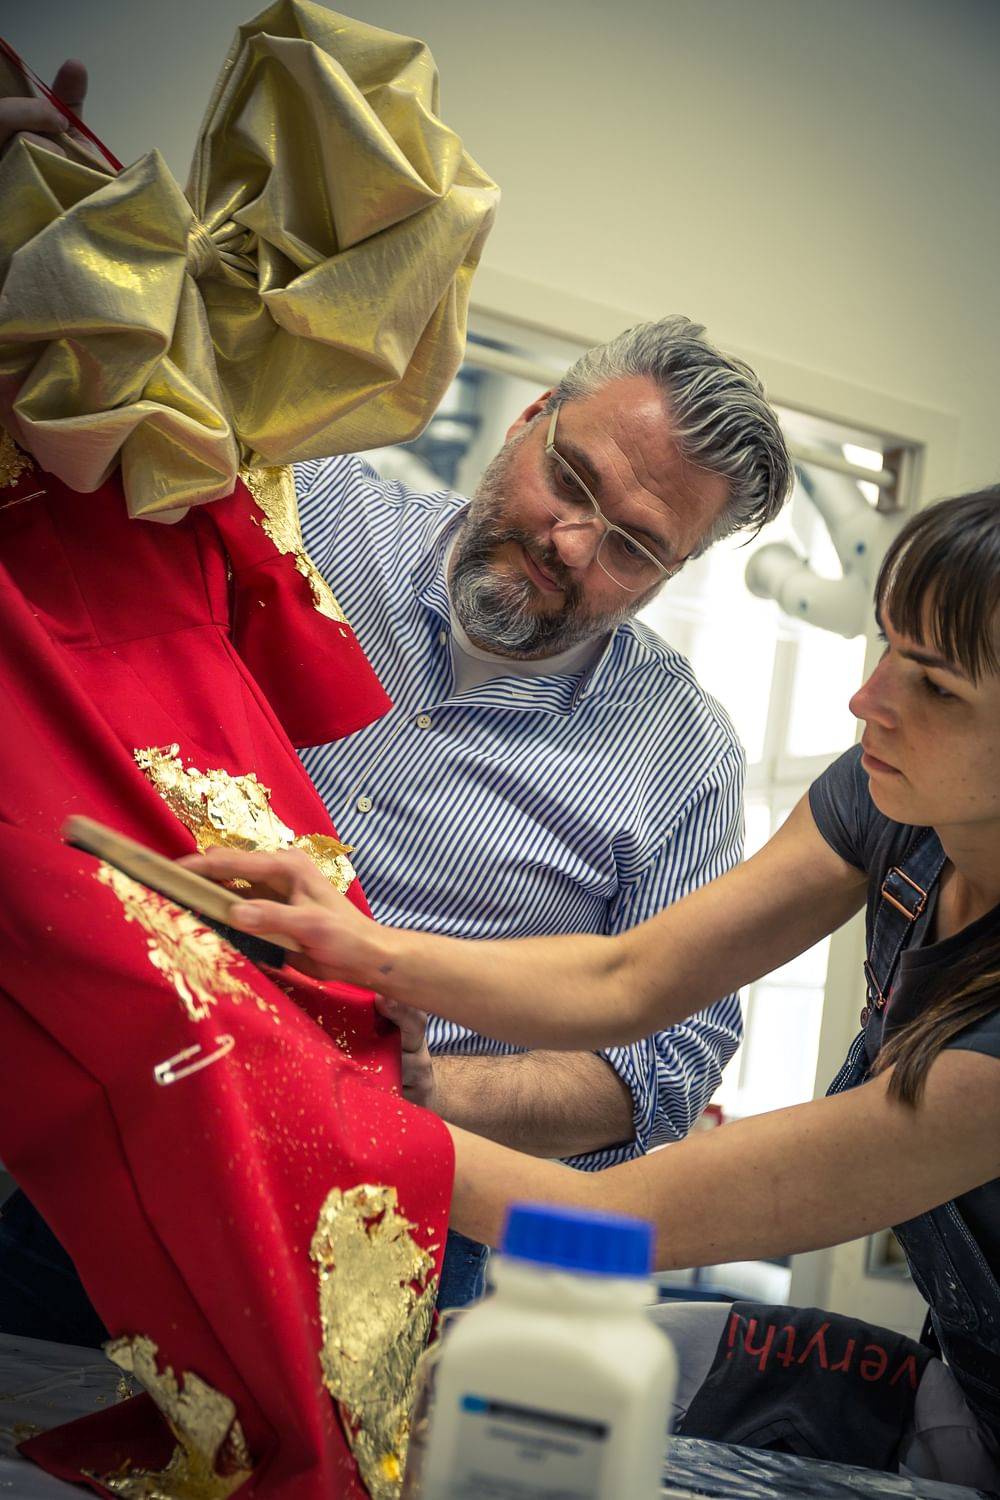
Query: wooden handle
point(163, 875)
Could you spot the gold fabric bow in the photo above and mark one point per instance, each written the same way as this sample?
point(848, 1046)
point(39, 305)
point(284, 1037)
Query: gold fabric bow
point(307, 296)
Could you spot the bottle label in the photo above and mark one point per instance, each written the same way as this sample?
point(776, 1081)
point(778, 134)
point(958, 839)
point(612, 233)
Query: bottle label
point(508, 1452)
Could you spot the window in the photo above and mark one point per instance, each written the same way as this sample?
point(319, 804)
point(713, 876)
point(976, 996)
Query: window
point(785, 684)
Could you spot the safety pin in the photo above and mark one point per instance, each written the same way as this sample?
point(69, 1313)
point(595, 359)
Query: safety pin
point(22, 499)
point(168, 1072)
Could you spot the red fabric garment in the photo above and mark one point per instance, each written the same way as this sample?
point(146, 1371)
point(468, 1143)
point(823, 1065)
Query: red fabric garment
point(187, 1208)
point(116, 637)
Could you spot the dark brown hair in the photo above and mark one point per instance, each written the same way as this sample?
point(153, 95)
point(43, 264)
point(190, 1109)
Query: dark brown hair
point(941, 578)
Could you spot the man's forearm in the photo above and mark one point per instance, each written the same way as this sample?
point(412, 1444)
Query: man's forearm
point(546, 1103)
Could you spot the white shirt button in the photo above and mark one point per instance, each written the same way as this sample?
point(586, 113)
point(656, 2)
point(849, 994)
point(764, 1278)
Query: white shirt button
point(424, 721)
point(364, 804)
point(442, 637)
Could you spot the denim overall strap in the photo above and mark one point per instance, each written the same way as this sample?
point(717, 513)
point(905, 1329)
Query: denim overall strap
point(902, 899)
point(947, 1264)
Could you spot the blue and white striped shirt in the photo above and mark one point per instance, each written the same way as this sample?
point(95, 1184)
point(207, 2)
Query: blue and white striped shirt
point(524, 805)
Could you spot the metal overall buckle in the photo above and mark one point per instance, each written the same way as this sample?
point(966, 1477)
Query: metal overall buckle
point(911, 914)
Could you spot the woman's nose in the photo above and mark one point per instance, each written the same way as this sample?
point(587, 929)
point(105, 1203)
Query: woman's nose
point(873, 701)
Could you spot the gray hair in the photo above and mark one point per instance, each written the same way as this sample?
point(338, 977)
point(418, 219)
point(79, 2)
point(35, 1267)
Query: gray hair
point(721, 419)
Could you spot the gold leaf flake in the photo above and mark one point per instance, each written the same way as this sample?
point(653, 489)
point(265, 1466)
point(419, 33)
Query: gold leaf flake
point(211, 1459)
point(201, 967)
point(376, 1298)
point(235, 812)
point(18, 1432)
point(273, 491)
point(13, 461)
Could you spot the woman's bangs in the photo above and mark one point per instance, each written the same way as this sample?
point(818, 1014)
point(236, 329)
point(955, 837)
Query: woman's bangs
point(940, 585)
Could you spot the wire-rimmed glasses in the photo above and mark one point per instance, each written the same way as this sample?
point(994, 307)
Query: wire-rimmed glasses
point(624, 559)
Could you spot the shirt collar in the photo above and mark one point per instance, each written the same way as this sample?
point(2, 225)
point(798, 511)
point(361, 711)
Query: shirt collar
point(428, 575)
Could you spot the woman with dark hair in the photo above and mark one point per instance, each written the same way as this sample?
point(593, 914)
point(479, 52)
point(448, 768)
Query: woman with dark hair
point(907, 823)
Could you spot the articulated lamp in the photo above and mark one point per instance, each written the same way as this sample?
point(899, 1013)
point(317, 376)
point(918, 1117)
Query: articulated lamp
point(860, 535)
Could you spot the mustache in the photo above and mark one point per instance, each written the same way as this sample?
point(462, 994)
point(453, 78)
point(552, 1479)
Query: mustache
point(480, 549)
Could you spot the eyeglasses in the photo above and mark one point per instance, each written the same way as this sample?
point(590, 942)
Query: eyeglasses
point(626, 561)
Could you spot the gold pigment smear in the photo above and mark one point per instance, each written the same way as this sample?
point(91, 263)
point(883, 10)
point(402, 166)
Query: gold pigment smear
point(201, 967)
point(376, 1301)
point(234, 812)
point(273, 491)
point(13, 462)
point(210, 1461)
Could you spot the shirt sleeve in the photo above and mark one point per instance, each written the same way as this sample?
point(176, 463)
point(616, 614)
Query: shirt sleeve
point(843, 809)
point(981, 1036)
point(327, 488)
point(673, 1074)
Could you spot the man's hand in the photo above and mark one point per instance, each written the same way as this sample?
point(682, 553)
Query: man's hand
point(548, 1104)
point(289, 898)
point(39, 121)
point(419, 1084)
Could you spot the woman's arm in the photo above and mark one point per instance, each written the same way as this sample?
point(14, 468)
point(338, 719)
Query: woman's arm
point(796, 1179)
point(572, 992)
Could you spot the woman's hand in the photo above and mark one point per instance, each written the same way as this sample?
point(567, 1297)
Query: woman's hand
point(419, 1085)
point(289, 898)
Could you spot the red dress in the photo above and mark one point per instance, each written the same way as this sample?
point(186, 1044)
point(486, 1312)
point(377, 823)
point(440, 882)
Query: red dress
point(216, 1145)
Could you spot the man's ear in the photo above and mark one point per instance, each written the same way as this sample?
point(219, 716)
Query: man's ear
point(529, 414)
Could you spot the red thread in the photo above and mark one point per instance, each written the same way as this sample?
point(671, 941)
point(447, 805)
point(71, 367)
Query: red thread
point(74, 119)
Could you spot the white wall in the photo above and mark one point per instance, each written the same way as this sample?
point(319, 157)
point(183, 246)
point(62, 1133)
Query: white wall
point(816, 181)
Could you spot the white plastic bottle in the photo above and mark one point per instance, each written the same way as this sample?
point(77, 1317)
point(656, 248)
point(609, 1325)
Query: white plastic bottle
point(558, 1385)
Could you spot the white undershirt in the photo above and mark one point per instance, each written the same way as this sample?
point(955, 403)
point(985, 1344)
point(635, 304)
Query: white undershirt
point(472, 665)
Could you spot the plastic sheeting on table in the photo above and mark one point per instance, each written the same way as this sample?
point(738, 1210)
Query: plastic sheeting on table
point(719, 1471)
point(43, 1385)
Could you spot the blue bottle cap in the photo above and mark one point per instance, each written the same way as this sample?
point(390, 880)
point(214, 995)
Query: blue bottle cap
point(575, 1239)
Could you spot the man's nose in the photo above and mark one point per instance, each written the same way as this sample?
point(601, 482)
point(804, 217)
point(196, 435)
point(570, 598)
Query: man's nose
point(577, 542)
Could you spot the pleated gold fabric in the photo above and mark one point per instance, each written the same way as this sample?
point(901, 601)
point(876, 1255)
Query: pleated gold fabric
point(306, 296)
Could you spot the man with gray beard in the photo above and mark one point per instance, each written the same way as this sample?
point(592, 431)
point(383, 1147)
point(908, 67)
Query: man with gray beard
point(550, 765)
point(500, 608)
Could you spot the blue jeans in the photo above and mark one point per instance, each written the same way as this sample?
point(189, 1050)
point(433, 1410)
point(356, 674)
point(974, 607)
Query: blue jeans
point(41, 1296)
point(463, 1274)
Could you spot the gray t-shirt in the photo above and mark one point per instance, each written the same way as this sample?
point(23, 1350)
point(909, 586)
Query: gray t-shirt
point(852, 825)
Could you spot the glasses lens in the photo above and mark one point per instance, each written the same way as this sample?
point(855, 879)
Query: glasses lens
point(627, 562)
point(623, 559)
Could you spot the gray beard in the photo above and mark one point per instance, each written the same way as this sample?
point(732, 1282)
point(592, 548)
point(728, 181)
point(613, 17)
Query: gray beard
point(499, 610)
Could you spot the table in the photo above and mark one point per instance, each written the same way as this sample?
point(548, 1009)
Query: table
point(43, 1385)
point(721, 1471)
